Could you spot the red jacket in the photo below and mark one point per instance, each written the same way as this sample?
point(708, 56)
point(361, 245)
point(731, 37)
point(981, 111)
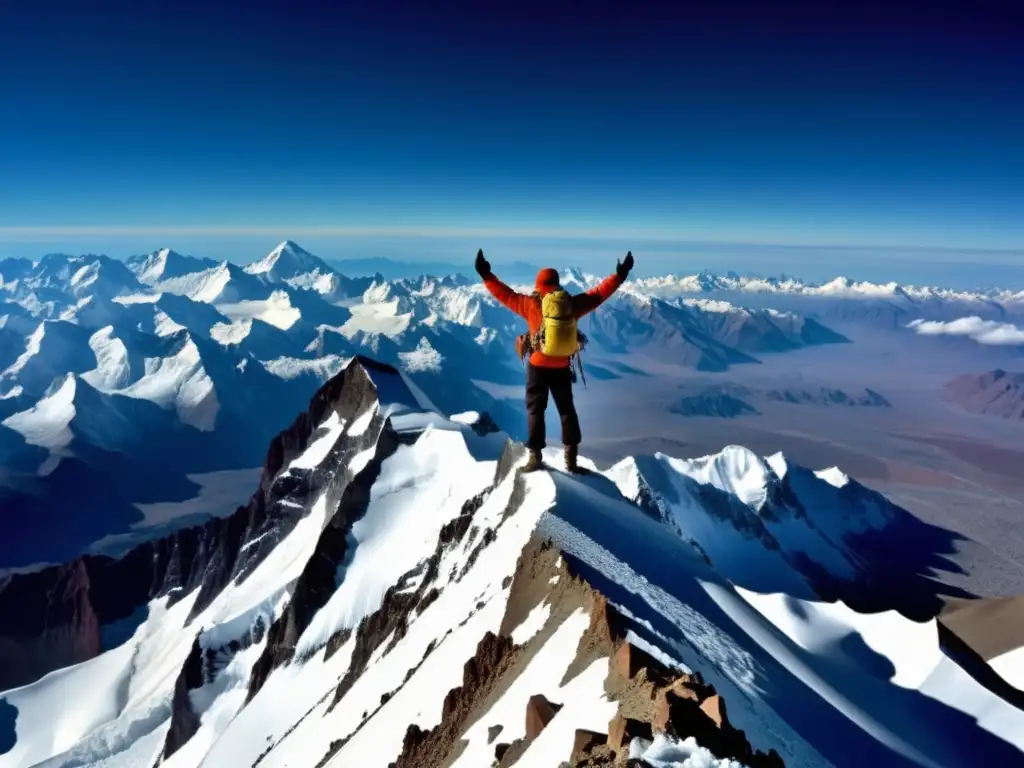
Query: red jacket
point(528, 306)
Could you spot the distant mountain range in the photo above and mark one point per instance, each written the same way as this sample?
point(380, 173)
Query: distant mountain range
point(390, 269)
point(995, 393)
point(730, 401)
point(841, 300)
point(164, 368)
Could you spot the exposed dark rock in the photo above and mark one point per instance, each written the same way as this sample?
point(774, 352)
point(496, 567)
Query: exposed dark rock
point(316, 584)
point(184, 721)
point(493, 732)
point(539, 712)
point(423, 749)
point(622, 730)
point(653, 698)
point(485, 425)
point(57, 602)
point(508, 755)
point(201, 668)
point(584, 744)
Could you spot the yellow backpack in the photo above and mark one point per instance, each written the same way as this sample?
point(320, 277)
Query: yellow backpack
point(558, 334)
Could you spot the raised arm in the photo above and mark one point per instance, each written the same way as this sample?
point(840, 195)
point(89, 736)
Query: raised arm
point(596, 296)
point(517, 302)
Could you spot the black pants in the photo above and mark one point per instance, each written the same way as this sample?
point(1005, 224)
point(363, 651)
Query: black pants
point(557, 381)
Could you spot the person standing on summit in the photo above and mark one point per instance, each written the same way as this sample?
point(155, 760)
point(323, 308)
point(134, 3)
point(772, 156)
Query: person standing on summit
point(552, 340)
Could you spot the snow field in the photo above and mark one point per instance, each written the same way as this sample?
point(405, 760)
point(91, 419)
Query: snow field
point(1010, 667)
point(119, 697)
point(276, 310)
point(420, 489)
point(47, 423)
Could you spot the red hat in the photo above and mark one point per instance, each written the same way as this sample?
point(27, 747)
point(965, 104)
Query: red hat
point(547, 281)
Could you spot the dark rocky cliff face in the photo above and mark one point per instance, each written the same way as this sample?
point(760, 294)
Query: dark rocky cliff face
point(56, 616)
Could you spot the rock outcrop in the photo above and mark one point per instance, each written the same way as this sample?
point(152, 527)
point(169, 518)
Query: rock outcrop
point(494, 654)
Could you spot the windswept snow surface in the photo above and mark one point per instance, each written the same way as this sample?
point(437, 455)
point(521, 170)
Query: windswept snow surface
point(113, 368)
point(382, 318)
point(586, 707)
point(892, 670)
point(422, 359)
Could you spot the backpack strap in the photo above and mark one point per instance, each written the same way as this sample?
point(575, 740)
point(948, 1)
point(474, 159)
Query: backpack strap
point(583, 376)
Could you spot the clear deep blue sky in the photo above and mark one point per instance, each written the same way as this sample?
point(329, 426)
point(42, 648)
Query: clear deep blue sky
point(245, 123)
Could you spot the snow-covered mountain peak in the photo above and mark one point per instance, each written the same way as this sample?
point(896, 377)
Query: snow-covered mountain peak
point(166, 264)
point(288, 260)
point(574, 279)
point(736, 470)
point(423, 358)
point(833, 476)
point(47, 423)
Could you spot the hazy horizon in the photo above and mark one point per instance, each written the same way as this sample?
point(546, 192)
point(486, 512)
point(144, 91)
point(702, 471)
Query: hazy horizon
point(950, 268)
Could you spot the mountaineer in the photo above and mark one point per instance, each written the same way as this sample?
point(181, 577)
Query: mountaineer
point(551, 344)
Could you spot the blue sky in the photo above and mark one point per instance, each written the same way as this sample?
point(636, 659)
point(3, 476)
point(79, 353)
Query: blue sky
point(223, 128)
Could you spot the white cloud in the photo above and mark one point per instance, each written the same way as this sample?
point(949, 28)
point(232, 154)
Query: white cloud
point(982, 331)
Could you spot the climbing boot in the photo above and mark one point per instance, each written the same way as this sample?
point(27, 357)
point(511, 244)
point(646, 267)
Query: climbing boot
point(535, 462)
point(571, 455)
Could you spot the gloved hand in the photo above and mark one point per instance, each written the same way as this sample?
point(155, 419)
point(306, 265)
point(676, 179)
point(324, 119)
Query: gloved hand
point(622, 267)
point(483, 267)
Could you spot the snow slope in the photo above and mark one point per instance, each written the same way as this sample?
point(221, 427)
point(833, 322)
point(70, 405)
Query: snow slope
point(776, 527)
point(703, 618)
point(1010, 667)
